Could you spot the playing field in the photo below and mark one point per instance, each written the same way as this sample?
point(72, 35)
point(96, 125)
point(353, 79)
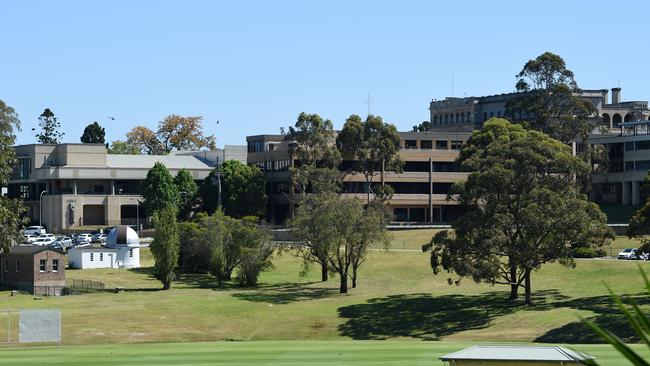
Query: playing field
point(354, 353)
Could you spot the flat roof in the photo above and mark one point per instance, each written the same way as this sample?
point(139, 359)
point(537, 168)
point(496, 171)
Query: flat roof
point(148, 161)
point(517, 353)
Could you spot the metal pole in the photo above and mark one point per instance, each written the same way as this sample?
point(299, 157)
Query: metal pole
point(40, 208)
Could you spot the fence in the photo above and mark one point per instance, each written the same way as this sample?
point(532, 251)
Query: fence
point(80, 286)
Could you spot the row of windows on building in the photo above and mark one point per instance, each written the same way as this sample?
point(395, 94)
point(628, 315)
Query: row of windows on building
point(273, 165)
point(101, 256)
point(42, 265)
point(428, 144)
point(22, 169)
point(637, 145)
point(446, 119)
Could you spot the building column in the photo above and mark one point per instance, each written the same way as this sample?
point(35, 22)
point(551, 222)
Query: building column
point(430, 189)
point(625, 193)
point(112, 187)
point(635, 193)
point(74, 187)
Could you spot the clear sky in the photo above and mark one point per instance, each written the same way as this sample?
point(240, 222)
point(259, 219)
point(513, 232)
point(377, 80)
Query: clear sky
point(254, 65)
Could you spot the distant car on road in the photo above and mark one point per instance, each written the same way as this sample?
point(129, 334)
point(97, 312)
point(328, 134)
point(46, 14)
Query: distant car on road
point(34, 230)
point(631, 254)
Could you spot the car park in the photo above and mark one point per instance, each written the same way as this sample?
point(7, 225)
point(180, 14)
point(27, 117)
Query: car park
point(34, 230)
point(64, 241)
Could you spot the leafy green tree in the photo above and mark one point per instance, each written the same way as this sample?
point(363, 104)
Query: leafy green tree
point(424, 126)
point(255, 251)
point(315, 151)
point(158, 189)
point(187, 190)
point(370, 232)
point(174, 133)
point(549, 100)
point(243, 189)
point(524, 209)
point(639, 225)
point(124, 148)
point(165, 245)
point(93, 134)
point(12, 211)
point(371, 145)
point(346, 231)
point(50, 126)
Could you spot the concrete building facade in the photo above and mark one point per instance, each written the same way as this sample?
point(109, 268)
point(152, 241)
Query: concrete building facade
point(420, 190)
point(81, 185)
point(469, 113)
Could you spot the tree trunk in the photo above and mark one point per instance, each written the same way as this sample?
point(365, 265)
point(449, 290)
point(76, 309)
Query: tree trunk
point(323, 272)
point(529, 300)
point(354, 277)
point(514, 287)
point(344, 284)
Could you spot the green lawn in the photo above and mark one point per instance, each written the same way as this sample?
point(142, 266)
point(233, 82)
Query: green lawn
point(356, 353)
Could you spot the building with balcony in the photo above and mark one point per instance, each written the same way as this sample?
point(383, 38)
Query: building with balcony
point(75, 186)
point(469, 113)
point(420, 190)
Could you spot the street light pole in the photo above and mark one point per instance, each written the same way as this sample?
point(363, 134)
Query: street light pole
point(40, 208)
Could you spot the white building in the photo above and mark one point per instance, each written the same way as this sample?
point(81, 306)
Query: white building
point(122, 250)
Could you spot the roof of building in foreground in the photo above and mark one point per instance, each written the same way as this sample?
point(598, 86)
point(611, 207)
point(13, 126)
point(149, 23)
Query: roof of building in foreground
point(148, 161)
point(517, 353)
point(32, 249)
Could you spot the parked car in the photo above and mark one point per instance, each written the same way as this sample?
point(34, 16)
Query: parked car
point(83, 238)
point(28, 239)
point(43, 241)
point(83, 244)
point(99, 238)
point(64, 241)
point(631, 254)
point(34, 230)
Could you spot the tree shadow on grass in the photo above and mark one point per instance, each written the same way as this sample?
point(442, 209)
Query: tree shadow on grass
point(285, 293)
point(432, 317)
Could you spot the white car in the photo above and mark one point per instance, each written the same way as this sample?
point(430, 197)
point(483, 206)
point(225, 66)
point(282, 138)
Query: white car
point(43, 241)
point(34, 230)
point(29, 238)
point(47, 236)
point(630, 253)
point(84, 238)
point(64, 241)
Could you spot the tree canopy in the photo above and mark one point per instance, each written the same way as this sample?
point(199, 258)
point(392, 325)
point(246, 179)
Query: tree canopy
point(549, 100)
point(93, 134)
point(187, 192)
point(12, 211)
point(243, 190)
point(49, 126)
point(370, 145)
point(165, 245)
point(123, 147)
point(424, 126)
point(524, 208)
point(174, 133)
point(158, 189)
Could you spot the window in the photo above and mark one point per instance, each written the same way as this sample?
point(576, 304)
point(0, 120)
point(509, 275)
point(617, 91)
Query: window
point(499, 113)
point(6, 265)
point(92, 257)
point(441, 144)
point(426, 144)
point(55, 265)
point(456, 145)
point(22, 169)
point(629, 166)
point(101, 257)
point(629, 146)
point(17, 265)
point(23, 191)
point(642, 165)
point(484, 116)
point(130, 253)
point(643, 145)
point(410, 144)
point(41, 265)
point(255, 146)
point(491, 114)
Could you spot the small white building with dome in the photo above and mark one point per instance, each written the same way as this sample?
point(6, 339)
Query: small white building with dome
point(122, 250)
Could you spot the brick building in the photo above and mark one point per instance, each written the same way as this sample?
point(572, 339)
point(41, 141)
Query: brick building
point(36, 269)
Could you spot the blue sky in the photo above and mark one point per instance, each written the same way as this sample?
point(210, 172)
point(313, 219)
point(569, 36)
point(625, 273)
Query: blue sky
point(254, 65)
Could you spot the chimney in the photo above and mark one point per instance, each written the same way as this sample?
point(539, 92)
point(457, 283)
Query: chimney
point(616, 95)
point(605, 93)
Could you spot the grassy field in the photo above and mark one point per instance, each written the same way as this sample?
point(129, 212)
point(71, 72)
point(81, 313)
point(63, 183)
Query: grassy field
point(398, 299)
point(353, 353)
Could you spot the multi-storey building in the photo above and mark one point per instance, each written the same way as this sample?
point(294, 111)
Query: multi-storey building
point(420, 190)
point(469, 113)
point(71, 186)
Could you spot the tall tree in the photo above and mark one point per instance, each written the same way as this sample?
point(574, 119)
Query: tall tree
point(255, 251)
point(639, 225)
point(49, 126)
point(12, 211)
point(158, 189)
point(164, 247)
point(424, 126)
point(346, 231)
point(371, 146)
point(243, 189)
point(123, 147)
point(187, 191)
point(174, 133)
point(93, 134)
point(549, 100)
point(524, 209)
point(315, 151)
